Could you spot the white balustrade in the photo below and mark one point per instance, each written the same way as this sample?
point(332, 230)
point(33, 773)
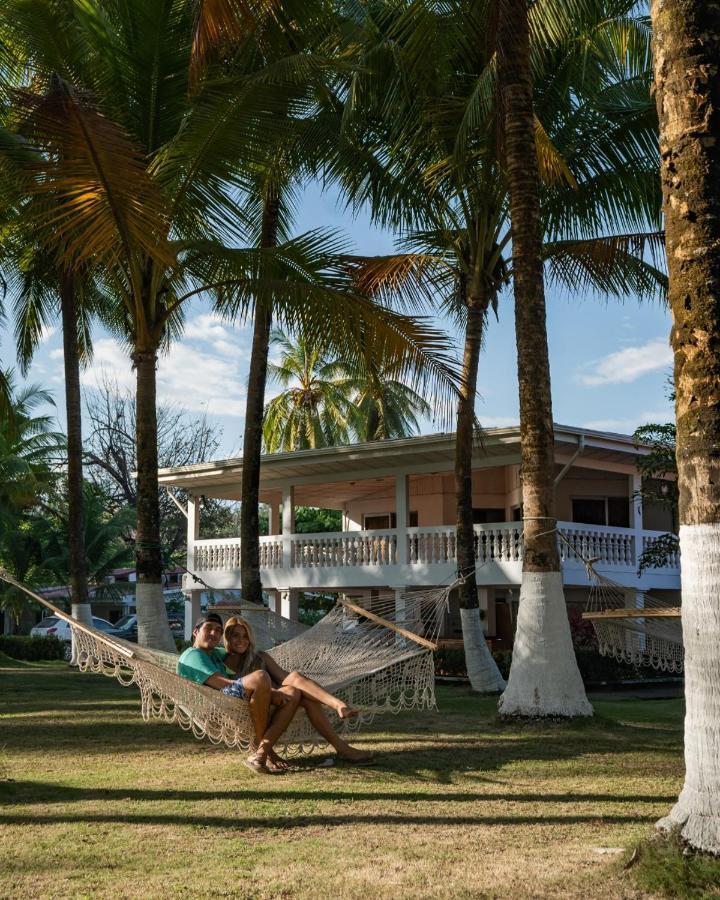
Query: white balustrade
point(343, 549)
point(428, 546)
point(673, 559)
point(604, 544)
point(221, 554)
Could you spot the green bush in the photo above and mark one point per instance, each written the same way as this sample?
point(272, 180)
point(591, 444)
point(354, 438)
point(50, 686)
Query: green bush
point(594, 669)
point(31, 649)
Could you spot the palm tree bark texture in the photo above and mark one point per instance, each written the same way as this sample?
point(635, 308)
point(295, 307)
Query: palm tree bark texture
point(153, 629)
point(252, 437)
point(544, 678)
point(73, 411)
point(482, 670)
point(686, 37)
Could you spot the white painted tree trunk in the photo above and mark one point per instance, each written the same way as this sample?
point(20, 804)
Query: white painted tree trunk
point(544, 677)
point(153, 628)
point(482, 669)
point(697, 812)
point(83, 613)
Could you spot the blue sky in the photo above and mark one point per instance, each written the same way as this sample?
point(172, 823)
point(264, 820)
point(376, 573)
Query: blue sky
point(609, 361)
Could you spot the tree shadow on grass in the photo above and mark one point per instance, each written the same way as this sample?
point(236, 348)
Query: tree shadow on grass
point(32, 792)
point(323, 820)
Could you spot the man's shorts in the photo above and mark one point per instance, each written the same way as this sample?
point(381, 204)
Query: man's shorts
point(237, 689)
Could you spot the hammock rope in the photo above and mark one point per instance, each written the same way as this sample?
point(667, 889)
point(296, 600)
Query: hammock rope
point(379, 663)
point(650, 635)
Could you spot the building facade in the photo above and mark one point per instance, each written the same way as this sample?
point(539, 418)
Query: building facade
point(397, 503)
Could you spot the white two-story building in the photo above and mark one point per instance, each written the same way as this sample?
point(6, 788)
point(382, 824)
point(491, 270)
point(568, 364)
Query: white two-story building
point(397, 502)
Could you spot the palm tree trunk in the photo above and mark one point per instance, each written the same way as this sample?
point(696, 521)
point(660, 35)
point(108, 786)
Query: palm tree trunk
point(544, 678)
point(80, 606)
point(252, 437)
point(482, 670)
point(687, 47)
point(153, 627)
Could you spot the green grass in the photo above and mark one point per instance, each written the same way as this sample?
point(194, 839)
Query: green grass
point(663, 868)
point(94, 802)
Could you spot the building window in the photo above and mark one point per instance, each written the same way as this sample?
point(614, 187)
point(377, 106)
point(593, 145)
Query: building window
point(601, 511)
point(387, 520)
point(484, 514)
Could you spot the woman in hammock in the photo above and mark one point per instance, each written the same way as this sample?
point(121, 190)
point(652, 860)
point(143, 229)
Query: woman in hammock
point(242, 659)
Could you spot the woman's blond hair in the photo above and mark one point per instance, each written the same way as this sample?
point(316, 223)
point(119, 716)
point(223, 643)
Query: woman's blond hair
point(250, 660)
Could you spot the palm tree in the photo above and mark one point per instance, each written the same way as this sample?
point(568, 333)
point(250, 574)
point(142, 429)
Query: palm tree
point(687, 47)
point(160, 170)
point(424, 108)
point(544, 676)
point(29, 454)
point(314, 408)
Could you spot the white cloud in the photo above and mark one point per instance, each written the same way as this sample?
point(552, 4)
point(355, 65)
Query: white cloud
point(199, 379)
point(211, 329)
point(627, 365)
point(498, 421)
point(628, 425)
point(47, 332)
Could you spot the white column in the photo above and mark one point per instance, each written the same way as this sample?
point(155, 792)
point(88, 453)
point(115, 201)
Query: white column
point(273, 524)
point(636, 513)
point(192, 596)
point(274, 601)
point(192, 611)
point(401, 516)
point(288, 524)
point(635, 599)
point(289, 604)
point(483, 602)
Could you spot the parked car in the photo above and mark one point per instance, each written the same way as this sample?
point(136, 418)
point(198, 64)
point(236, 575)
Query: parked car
point(126, 628)
point(52, 626)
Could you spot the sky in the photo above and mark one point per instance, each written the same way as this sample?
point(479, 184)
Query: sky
point(610, 361)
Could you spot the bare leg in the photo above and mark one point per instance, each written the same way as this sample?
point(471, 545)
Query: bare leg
point(321, 724)
point(279, 722)
point(259, 686)
point(314, 691)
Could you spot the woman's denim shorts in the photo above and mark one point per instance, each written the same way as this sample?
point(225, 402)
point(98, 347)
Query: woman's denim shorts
point(236, 689)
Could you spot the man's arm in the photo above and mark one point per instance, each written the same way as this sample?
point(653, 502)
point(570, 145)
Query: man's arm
point(218, 682)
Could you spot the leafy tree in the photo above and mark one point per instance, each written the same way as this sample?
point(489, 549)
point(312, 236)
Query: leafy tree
point(657, 488)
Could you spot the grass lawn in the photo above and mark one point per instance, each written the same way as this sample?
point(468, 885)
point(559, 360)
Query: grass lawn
point(94, 802)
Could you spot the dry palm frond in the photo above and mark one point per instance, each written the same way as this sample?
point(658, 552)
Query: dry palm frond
point(94, 200)
point(552, 167)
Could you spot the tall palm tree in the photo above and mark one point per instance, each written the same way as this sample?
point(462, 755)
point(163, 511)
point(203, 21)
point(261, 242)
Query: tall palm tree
point(544, 676)
point(314, 408)
point(425, 110)
point(162, 169)
point(687, 47)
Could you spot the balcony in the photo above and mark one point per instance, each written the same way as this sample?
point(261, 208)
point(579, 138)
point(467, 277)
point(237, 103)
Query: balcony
point(427, 556)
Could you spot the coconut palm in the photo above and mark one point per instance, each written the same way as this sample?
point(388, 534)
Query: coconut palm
point(687, 45)
point(161, 171)
point(427, 95)
point(544, 676)
point(313, 409)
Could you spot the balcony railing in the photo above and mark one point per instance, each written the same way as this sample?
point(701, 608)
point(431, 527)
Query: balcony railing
point(501, 543)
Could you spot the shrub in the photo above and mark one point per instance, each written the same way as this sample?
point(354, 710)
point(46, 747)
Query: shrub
point(32, 649)
point(594, 669)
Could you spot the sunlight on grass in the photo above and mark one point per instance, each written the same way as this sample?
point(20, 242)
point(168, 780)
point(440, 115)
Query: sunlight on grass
point(95, 802)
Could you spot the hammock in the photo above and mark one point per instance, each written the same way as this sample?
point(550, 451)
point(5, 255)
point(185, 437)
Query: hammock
point(650, 635)
point(378, 660)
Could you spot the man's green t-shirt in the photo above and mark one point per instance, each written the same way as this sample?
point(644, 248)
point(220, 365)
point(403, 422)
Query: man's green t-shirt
point(198, 665)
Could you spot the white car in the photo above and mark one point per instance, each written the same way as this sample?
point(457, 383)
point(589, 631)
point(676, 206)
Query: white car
point(52, 626)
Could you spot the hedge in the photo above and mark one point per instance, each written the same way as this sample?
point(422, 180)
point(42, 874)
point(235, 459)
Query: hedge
point(31, 649)
point(594, 668)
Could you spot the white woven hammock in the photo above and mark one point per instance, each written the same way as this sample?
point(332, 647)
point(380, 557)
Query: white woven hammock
point(378, 660)
point(650, 635)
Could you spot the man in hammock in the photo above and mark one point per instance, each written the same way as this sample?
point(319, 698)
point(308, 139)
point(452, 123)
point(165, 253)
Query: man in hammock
point(271, 709)
point(243, 659)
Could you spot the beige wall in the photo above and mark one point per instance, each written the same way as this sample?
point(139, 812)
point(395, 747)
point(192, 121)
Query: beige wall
point(433, 496)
